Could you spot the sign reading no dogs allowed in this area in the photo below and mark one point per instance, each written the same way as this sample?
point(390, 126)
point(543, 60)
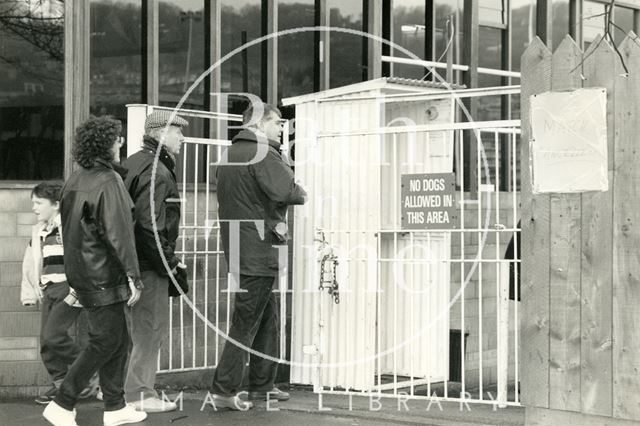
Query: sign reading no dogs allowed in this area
point(428, 201)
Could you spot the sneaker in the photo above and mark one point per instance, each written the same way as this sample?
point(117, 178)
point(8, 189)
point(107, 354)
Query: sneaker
point(274, 394)
point(154, 405)
point(58, 416)
point(123, 416)
point(47, 397)
point(233, 402)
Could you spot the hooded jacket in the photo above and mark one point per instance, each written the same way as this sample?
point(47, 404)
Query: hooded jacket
point(255, 185)
point(97, 234)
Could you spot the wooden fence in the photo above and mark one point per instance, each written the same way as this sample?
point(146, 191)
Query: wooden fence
point(581, 252)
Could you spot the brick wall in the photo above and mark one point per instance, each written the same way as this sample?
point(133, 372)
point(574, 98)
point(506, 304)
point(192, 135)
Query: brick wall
point(482, 289)
point(21, 371)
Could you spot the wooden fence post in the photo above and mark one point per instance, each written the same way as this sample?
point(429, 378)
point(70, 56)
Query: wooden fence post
point(601, 69)
point(536, 61)
point(626, 239)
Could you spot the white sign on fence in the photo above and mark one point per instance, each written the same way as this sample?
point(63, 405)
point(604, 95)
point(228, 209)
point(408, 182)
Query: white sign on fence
point(569, 141)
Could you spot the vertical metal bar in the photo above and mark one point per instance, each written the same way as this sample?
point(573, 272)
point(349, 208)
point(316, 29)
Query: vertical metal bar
point(283, 314)
point(343, 350)
point(396, 224)
point(284, 275)
point(185, 152)
point(378, 296)
point(170, 333)
point(462, 235)
point(217, 319)
point(501, 361)
point(412, 336)
point(319, 379)
point(516, 265)
point(502, 320)
point(195, 255)
point(462, 327)
point(207, 234)
point(481, 230)
point(430, 315)
point(430, 265)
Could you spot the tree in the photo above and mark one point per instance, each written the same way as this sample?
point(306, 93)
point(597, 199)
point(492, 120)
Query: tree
point(39, 22)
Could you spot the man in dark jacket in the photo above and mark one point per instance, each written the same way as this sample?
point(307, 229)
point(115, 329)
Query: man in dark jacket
point(102, 267)
point(255, 187)
point(149, 319)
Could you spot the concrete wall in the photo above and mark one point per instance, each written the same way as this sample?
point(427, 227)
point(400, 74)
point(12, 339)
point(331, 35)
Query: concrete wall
point(21, 371)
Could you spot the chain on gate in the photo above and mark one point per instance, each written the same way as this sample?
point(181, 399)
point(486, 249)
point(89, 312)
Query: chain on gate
point(328, 268)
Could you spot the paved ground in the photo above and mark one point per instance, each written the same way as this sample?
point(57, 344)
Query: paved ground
point(303, 408)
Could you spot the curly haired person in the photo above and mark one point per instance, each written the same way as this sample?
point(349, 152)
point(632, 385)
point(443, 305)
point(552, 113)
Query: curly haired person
point(101, 265)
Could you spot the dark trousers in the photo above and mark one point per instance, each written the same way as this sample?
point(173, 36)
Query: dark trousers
point(255, 324)
point(57, 349)
point(105, 353)
point(148, 322)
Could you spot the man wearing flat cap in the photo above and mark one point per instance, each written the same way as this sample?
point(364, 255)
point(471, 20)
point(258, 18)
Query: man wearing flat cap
point(148, 321)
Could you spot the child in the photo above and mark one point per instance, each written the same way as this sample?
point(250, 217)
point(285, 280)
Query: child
point(44, 281)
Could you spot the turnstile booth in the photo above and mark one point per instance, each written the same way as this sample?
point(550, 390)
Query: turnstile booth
point(370, 297)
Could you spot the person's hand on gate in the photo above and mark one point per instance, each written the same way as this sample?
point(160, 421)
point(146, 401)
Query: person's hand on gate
point(135, 293)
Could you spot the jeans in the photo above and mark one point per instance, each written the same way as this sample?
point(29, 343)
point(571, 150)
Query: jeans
point(106, 353)
point(148, 322)
point(57, 349)
point(255, 324)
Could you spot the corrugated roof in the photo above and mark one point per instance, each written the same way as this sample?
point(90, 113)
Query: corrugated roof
point(423, 83)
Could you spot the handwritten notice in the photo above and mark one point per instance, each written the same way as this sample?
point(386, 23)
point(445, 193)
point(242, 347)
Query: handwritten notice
point(568, 142)
point(428, 201)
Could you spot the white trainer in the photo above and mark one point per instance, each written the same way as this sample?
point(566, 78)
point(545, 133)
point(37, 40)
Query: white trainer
point(154, 405)
point(123, 416)
point(58, 416)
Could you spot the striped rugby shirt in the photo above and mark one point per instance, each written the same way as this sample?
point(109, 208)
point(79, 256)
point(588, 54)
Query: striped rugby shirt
point(52, 256)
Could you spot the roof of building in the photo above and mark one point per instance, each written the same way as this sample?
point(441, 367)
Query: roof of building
point(390, 85)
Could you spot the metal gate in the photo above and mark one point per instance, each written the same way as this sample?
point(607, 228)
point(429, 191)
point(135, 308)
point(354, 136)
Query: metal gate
point(200, 322)
point(451, 314)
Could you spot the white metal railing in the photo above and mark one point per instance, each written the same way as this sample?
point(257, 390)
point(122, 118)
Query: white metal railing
point(443, 65)
point(489, 219)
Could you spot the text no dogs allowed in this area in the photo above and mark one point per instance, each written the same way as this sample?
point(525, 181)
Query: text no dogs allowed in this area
point(428, 201)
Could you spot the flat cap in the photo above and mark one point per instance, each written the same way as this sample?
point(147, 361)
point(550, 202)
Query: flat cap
point(160, 118)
